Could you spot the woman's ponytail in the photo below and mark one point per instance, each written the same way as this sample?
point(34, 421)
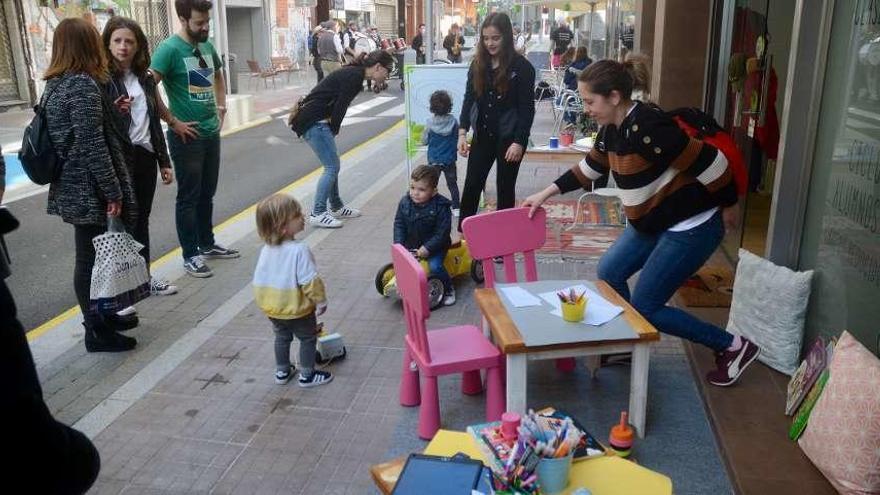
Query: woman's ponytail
point(605, 76)
point(639, 68)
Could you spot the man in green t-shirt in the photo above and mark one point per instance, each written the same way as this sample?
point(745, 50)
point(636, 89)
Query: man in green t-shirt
point(189, 67)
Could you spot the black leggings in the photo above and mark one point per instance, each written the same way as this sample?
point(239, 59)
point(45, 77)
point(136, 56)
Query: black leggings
point(85, 261)
point(484, 152)
point(146, 169)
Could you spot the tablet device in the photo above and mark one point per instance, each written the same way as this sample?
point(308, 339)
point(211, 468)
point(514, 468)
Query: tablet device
point(435, 475)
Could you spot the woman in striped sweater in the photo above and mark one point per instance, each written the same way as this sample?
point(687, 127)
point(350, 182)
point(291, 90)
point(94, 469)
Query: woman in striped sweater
point(678, 193)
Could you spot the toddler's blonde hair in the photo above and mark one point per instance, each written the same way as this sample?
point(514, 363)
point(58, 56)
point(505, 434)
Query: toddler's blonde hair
point(273, 215)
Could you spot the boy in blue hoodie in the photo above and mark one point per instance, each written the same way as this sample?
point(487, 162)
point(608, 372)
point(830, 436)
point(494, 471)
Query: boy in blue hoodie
point(441, 136)
point(423, 223)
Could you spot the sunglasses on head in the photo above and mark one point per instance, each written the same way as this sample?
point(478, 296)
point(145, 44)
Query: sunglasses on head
point(202, 63)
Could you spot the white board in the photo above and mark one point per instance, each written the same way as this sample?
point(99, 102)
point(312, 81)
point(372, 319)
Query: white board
point(420, 82)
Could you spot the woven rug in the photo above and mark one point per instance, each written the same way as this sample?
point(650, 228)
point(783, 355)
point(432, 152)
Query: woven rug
point(710, 287)
point(599, 223)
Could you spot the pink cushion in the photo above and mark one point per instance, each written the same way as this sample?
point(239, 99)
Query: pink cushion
point(843, 434)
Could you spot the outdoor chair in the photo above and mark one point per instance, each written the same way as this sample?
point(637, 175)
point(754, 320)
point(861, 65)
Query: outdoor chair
point(283, 65)
point(258, 73)
point(428, 355)
point(504, 233)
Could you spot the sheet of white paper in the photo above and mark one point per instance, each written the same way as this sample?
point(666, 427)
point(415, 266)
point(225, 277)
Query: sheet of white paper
point(599, 310)
point(520, 297)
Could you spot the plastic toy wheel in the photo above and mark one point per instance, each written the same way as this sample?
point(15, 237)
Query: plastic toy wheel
point(435, 292)
point(477, 272)
point(382, 277)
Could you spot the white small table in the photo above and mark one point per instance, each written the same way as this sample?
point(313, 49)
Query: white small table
point(509, 340)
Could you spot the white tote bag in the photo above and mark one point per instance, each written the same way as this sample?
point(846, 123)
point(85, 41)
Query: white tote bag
point(119, 277)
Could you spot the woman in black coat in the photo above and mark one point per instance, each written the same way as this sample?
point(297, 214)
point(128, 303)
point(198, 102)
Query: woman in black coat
point(135, 95)
point(94, 181)
point(499, 105)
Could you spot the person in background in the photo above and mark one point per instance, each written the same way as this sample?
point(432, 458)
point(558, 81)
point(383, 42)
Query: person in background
point(313, 50)
point(423, 223)
point(348, 39)
point(195, 146)
point(560, 38)
point(567, 58)
point(318, 118)
point(329, 48)
point(678, 194)
point(418, 44)
point(519, 41)
point(441, 137)
point(288, 289)
point(376, 36)
point(499, 105)
point(133, 91)
point(574, 69)
point(29, 429)
point(453, 42)
point(94, 182)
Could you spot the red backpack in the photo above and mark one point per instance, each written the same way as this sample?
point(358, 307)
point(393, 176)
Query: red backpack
point(700, 125)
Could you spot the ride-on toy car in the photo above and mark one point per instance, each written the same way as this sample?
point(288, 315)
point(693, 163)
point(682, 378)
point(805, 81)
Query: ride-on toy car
point(457, 262)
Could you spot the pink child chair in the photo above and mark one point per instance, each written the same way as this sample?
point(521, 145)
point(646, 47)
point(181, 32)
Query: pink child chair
point(462, 349)
point(505, 233)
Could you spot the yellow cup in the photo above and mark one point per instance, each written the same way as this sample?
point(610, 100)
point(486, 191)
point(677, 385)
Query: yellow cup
point(574, 312)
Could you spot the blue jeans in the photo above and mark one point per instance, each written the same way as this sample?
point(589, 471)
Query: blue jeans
point(666, 261)
point(320, 139)
point(435, 266)
point(197, 167)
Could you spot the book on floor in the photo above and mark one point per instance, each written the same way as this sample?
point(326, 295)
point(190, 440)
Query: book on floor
point(806, 375)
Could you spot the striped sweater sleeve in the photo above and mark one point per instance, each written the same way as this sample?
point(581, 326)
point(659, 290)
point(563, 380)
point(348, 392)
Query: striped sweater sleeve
point(592, 167)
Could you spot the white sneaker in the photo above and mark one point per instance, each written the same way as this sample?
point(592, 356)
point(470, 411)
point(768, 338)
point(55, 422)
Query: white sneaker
point(127, 311)
point(324, 220)
point(455, 212)
point(449, 298)
point(346, 212)
point(161, 287)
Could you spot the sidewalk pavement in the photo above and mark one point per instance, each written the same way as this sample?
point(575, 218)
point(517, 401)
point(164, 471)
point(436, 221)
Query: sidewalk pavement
point(194, 408)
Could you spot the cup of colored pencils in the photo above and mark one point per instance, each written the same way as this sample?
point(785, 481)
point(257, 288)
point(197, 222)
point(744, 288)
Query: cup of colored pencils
point(573, 305)
point(518, 476)
point(555, 443)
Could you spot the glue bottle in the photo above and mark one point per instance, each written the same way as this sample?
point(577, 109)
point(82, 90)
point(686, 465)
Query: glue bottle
point(621, 437)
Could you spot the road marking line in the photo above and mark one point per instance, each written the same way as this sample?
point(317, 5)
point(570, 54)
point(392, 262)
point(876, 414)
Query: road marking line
point(371, 103)
point(394, 112)
point(218, 229)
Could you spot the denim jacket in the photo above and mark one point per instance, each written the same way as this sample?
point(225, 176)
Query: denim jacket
point(426, 225)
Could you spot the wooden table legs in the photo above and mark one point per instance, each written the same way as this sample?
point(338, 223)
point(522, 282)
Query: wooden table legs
point(517, 365)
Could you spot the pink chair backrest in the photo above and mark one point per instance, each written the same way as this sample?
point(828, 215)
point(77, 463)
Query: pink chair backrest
point(505, 233)
point(412, 284)
point(253, 66)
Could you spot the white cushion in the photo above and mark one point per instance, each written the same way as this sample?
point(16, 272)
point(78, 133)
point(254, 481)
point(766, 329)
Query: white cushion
point(769, 305)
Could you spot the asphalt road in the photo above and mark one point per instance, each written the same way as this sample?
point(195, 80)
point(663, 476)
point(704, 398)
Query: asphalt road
point(255, 163)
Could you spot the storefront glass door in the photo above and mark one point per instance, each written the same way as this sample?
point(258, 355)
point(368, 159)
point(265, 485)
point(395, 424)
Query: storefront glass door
point(760, 45)
point(841, 239)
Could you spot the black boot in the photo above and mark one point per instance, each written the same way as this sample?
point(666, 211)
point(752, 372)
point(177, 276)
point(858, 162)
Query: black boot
point(101, 338)
point(120, 323)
